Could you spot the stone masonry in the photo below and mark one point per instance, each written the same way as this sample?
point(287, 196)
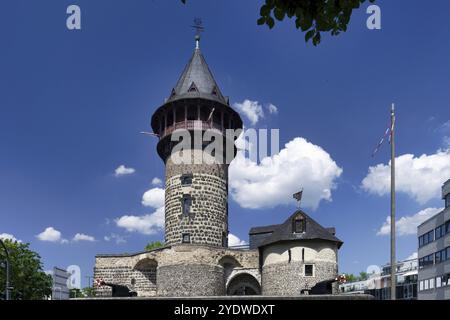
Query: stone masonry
point(207, 222)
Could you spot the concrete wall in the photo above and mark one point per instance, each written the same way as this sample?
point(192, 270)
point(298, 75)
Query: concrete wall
point(434, 270)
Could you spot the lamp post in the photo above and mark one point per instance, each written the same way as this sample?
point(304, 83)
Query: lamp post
point(7, 269)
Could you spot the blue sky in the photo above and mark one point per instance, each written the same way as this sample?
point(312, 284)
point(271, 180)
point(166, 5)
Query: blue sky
point(72, 104)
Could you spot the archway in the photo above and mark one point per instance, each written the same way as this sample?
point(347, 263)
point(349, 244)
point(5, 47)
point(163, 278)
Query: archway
point(229, 264)
point(144, 277)
point(243, 284)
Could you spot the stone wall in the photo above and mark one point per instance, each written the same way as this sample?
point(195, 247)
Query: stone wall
point(283, 273)
point(207, 222)
point(287, 279)
point(181, 270)
point(191, 280)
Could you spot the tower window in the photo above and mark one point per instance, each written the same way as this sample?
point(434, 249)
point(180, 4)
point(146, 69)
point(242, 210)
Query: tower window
point(309, 270)
point(298, 225)
point(186, 238)
point(186, 179)
point(186, 203)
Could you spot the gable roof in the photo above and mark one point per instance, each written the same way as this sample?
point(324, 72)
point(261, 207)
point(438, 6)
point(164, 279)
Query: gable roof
point(283, 232)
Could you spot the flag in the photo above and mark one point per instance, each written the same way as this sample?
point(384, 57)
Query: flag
point(298, 196)
point(386, 134)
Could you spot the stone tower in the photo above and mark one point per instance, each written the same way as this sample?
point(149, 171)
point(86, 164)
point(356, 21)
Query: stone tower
point(196, 193)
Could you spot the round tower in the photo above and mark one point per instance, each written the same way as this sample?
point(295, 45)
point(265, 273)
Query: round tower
point(196, 191)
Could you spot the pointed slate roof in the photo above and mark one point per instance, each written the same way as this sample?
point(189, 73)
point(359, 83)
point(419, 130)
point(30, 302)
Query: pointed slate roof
point(197, 81)
point(284, 232)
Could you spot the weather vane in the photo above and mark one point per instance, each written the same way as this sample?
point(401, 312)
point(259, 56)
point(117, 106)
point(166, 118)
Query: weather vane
point(198, 26)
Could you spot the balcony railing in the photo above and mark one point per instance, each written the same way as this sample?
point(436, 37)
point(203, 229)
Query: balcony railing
point(192, 125)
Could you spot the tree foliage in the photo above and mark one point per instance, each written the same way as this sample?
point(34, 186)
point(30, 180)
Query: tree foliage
point(154, 245)
point(312, 17)
point(27, 277)
point(86, 292)
point(361, 277)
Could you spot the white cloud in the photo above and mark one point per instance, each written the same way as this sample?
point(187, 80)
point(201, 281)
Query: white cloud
point(7, 236)
point(118, 238)
point(412, 256)
point(153, 198)
point(156, 181)
point(122, 171)
point(407, 225)
point(235, 241)
point(50, 234)
point(148, 223)
point(145, 224)
point(272, 108)
point(83, 237)
point(446, 142)
point(276, 178)
point(251, 109)
point(419, 177)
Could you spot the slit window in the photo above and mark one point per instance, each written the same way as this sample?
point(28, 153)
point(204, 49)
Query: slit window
point(186, 202)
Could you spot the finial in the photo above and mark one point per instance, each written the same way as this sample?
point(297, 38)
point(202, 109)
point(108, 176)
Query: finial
point(197, 41)
point(198, 26)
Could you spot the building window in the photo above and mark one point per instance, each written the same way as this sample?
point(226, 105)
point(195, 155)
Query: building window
point(309, 270)
point(447, 227)
point(426, 238)
point(440, 256)
point(438, 282)
point(432, 283)
point(447, 200)
point(421, 286)
point(186, 238)
point(439, 232)
point(186, 203)
point(186, 179)
point(298, 225)
point(426, 261)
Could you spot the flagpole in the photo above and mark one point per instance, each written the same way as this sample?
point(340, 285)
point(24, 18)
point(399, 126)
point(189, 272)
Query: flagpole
point(393, 260)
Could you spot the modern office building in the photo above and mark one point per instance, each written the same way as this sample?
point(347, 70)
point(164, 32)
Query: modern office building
point(434, 253)
point(379, 284)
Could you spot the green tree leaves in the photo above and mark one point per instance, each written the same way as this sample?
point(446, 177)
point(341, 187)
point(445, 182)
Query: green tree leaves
point(311, 16)
point(27, 278)
point(154, 245)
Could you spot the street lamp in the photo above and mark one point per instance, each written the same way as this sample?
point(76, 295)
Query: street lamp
point(7, 269)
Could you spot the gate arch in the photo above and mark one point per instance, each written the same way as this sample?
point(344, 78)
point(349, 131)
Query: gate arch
point(243, 284)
